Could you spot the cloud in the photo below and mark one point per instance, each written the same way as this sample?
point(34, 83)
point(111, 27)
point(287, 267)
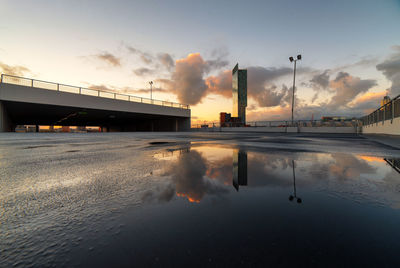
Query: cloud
point(220, 84)
point(272, 96)
point(101, 88)
point(166, 60)
point(109, 58)
point(346, 88)
point(147, 90)
point(187, 80)
point(320, 81)
point(218, 60)
point(13, 70)
point(144, 56)
point(260, 85)
point(217, 64)
point(143, 71)
point(391, 69)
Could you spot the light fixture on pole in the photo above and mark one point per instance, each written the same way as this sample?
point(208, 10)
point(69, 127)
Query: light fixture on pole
point(151, 89)
point(294, 79)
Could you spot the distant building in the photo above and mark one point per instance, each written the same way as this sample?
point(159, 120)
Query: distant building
point(385, 100)
point(239, 96)
point(224, 119)
point(66, 129)
point(239, 93)
point(334, 118)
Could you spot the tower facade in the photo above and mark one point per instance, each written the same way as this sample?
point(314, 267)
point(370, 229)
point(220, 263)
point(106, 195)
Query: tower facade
point(239, 93)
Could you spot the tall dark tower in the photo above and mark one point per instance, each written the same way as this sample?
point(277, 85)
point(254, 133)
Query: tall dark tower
point(239, 93)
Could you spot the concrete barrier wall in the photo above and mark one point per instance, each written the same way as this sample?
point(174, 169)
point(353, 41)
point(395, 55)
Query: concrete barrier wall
point(339, 130)
point(328, 130)
point(11, 92)
point(390, 127)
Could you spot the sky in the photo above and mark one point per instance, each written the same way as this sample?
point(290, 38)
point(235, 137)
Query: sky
point(350, 51)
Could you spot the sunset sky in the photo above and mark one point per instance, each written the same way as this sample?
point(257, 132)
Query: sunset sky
point(350, 49)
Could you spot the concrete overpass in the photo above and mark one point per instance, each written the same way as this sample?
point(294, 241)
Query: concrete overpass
point(25, 101)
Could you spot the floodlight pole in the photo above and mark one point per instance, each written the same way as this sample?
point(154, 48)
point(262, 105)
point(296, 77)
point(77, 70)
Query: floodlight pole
point(294, 79)
point(151, 89)
point(294, 83)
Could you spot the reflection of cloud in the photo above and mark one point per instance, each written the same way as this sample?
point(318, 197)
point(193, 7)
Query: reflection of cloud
point(202, 171)
point(160, 194)
point(189, 179)
point(347, 166)
point(188, 174)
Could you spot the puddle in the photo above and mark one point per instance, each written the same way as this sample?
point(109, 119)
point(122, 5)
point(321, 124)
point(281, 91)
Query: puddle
point(198, 202)
point(206, 170)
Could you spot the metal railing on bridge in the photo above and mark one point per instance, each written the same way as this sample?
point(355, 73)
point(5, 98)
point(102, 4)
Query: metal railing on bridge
point(28, 82)
point(389, 111)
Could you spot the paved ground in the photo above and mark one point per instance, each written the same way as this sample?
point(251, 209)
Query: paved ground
point(391, 140)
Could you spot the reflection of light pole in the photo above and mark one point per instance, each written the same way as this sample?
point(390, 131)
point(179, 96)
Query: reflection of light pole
point(151, 89)
point(294, 78)
point(291, 197)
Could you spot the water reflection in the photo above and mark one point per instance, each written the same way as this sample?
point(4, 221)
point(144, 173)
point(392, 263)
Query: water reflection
point(207, 170)
point(394, 163)
point(294, 196)
point(239, 169)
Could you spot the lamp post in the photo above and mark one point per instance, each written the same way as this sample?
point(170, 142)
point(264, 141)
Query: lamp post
point(294, 79)
point(151, 90)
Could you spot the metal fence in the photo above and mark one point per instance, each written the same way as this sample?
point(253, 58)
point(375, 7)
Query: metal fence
point(28, 82)
point(284, 124)
point(386, 112)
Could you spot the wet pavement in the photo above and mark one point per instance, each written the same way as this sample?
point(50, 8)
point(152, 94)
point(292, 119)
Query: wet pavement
point(198, 199)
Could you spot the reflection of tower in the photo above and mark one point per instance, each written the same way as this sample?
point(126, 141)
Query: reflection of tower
point(239, 93)
point(239, 174)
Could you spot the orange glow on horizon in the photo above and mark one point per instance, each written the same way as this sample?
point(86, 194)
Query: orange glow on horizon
point(371, 158)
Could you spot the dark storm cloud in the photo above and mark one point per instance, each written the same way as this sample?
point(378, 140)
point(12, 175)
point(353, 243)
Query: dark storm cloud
point(109, 58)
point(391, 69)
point(13, 70)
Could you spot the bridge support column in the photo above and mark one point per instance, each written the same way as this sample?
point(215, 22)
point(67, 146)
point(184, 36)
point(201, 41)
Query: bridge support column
point(5, 121)
point(184, 124)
